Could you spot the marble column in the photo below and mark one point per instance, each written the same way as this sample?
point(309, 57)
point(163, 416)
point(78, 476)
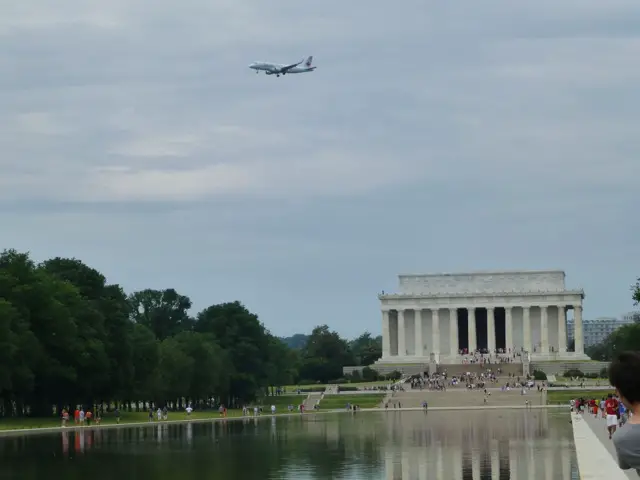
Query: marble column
point(389, 467)
point(435, 332)
point(549, 466)
point(453, 331)
point(544, 330)
point(513, 462)
point(475, 464)
point(495, 461)
point(402, 348)
point(472, 329)
point(418, 333)
point(578, 335)
point(508, 326)
point(406, 465)
point(531, 461)
point(439, 462)
point(386, 337)
point(526, 329)
point(423, 467)
point(456, 462)
point(562, 329)
point(491, 329)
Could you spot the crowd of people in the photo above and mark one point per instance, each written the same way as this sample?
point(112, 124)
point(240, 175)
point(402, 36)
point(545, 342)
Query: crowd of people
point(609, 408)
point(470, 381)
point(484, 356)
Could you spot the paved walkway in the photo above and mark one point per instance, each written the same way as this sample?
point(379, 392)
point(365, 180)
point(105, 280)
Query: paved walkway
point(599, 428)
point(595, 452)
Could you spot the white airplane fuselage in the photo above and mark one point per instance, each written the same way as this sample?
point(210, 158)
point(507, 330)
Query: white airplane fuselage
point(278, 69)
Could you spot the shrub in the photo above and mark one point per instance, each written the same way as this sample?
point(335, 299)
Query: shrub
point(539, 375)
point(312, 389)
point(347, 388)
point(355, 376)
point(369, 374)
point(307, 382)
point(604, 373)
point(573, 372)
point(338, 380)
point(395, 375)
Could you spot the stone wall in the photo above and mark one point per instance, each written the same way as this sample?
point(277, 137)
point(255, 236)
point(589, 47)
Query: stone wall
point(558, 368)
point(386, 369)
point(484, 282)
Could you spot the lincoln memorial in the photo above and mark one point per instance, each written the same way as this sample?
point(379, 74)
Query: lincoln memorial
point(443, 318)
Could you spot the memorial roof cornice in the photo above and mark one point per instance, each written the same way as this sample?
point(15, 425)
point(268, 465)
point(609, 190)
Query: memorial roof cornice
point(533, 293)
point(481, 272)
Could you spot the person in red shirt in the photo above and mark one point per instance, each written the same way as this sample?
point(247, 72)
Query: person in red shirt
point(611, 409)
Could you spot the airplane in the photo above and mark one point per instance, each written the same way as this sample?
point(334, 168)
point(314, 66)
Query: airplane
point(278, 69)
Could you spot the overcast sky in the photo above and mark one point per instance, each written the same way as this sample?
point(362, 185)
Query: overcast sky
point(434, 136)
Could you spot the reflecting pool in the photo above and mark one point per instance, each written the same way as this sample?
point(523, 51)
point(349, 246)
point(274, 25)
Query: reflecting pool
point(474, 445)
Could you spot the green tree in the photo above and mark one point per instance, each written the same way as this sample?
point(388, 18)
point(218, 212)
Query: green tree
point(67, 337)
point(366, 349)
point(283, 363)
point(144, 362)
point(8, 346)
point(297, 341)
point(209, 374)
point(165, 312)
point(324, 356)
point(175, 371)
point(105, 326)
point(244, 338)
point(635, 289)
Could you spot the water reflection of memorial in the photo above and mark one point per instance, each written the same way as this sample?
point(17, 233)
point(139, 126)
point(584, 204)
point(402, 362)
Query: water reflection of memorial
point(479, 445)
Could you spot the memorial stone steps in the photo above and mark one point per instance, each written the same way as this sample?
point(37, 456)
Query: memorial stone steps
point(466, 398)
point(311, 400)
point(459, 369)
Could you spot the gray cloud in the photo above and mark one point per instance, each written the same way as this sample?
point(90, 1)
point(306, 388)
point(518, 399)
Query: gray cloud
point(433, 136)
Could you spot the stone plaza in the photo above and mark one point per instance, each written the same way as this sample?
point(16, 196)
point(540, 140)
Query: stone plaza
point(443, 318)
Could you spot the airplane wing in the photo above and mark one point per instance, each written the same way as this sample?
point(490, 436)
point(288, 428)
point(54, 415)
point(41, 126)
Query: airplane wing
point(286, 68)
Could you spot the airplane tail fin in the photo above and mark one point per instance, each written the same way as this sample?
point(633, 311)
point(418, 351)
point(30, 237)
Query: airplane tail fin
point(308, 62)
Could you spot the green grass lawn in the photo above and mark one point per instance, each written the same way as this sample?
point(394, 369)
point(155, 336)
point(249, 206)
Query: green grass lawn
point(280, 401)
point(333, 402)
point(136, 417)
point(562, 397)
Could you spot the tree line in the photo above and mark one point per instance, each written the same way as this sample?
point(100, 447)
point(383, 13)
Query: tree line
point(623, 339)
point(68, 337)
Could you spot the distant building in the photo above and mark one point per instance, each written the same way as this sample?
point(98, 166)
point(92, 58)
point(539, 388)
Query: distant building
point(596, 331)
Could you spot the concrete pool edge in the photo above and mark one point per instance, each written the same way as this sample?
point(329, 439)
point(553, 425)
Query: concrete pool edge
point(594, 460)
point(73, 428)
